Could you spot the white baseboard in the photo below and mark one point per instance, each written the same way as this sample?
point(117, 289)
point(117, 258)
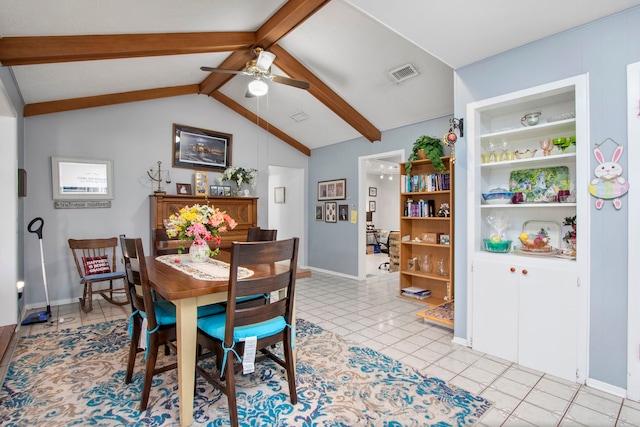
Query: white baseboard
point(607, 388)
point(460, 341)
point(333, 273)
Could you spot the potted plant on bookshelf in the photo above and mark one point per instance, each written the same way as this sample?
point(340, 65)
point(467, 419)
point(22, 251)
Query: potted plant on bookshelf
point(426, 147)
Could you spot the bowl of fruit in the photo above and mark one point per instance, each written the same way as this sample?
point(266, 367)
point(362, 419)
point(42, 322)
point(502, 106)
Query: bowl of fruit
point(496, 244)
point(538, 242)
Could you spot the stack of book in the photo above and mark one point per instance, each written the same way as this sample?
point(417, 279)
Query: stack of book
point(415, 292)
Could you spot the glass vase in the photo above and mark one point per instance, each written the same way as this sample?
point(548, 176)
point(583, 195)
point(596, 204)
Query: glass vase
point(199, 253)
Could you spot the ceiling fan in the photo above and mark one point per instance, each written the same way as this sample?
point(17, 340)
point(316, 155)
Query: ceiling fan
point(260, 70)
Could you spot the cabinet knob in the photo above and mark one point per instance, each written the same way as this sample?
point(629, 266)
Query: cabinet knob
point(524, 271)
point(512, 269)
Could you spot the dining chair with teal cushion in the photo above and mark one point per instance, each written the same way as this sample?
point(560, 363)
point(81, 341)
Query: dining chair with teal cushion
point(275, 265)
point(160, 317)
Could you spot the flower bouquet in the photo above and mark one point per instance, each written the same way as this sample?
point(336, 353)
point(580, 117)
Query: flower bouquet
point(201, 224)
point(239, 175)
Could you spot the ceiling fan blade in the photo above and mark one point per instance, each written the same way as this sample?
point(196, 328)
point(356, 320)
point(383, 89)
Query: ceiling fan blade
point(222, 70)
point(291, 82)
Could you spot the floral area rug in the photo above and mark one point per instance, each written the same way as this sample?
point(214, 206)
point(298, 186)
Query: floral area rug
point(76, 377)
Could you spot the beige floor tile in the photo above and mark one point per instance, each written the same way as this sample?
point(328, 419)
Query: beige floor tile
point(588, 416)
point(563, 391)
point(502, 401)
point(521, 376)
point(536, 415)
point(466, 384)
point(597, 402)
point(629, 416)
point(513, 388)
point(547, 401)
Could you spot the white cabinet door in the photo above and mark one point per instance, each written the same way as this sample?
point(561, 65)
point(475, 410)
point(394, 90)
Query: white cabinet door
point(495, 309)
point(548, 321)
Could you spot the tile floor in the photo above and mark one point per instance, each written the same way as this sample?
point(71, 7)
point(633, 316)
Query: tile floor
point(369, 312)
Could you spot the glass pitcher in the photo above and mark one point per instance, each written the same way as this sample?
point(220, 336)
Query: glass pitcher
point(425, 264)
point(443, 269)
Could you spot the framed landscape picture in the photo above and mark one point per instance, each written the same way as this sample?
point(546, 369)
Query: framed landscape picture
point(196, 148)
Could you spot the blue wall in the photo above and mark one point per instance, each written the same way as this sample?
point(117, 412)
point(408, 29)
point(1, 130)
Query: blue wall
point(603, 49)
point(334, 246)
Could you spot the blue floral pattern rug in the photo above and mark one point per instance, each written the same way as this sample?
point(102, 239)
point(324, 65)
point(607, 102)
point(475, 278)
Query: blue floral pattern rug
point(76, 377)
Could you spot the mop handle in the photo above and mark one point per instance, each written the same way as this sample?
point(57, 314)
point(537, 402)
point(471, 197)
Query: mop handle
point(39, 229)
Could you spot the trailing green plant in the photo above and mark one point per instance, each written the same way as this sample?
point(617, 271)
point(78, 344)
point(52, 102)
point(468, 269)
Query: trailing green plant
point(432, 149)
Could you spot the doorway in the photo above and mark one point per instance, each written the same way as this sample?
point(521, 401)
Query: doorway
point(288, 214)
point(379, 172)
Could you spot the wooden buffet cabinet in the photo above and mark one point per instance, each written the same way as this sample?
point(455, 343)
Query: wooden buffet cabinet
point(244, 210)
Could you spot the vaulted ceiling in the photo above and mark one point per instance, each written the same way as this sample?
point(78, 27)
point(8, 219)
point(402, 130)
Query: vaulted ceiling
point(74, 54)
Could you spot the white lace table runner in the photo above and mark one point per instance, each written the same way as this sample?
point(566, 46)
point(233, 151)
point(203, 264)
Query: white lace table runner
point(210, 270)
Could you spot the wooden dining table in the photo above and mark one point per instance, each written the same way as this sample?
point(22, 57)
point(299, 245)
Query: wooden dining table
point(188, 293)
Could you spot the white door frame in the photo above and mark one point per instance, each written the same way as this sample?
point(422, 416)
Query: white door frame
point(633, 252)
point(362, 206)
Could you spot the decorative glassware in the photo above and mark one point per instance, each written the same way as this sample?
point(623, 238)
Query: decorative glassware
point(425, 264)
point(443, 270)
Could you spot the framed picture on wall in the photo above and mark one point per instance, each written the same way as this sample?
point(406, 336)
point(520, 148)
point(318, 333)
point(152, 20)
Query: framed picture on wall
point(372, 206)
point(373, 191)
point(330, 212)
point(319, 213)
point(278, 195)
point(332, 190)
point(343, 212)
point(183, 189)
point(196, 148)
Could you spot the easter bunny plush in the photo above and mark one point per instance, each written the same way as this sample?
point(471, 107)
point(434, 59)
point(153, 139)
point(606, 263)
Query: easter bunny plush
point(608, 184)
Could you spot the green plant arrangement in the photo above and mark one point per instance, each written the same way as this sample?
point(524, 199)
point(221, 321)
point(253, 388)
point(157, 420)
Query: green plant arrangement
point(432, 148)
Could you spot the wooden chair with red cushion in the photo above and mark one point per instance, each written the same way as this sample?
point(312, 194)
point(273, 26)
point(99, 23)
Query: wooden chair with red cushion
point(95, 260)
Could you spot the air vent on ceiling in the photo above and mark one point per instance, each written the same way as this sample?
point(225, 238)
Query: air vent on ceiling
point(299, 116)
point(403, 73)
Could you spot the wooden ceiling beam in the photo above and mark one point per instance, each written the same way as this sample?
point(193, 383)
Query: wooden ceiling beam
point(103, 100)
point(225, 100)
point(44, 50)
point(236, 61)
point(325, 94)
point(288, 17)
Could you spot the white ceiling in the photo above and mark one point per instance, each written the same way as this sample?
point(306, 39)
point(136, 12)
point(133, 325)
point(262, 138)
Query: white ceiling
point(349, 45)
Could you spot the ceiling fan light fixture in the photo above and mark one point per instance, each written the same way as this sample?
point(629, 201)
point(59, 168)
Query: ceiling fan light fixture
point(258, 88)
point(265, 59)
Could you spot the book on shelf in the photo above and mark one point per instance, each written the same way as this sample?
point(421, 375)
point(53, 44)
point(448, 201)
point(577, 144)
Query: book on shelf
point(416, 292)
point(425, 183)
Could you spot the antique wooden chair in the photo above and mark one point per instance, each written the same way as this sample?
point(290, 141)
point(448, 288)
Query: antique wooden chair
point(160, 317)
point(267, 324)
point(95, 260)
point(257, 234)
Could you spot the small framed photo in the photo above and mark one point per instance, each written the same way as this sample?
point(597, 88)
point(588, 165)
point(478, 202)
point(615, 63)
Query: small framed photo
point(278, 195)
point(444, 239)
point(201, 181)
point(213, 190)
point(332, 190)
point(372, 206)
point(330, 214)
point(184, 189)
point(319, 213)
point(226, 190)
point(343, 212)
point(373, 191)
